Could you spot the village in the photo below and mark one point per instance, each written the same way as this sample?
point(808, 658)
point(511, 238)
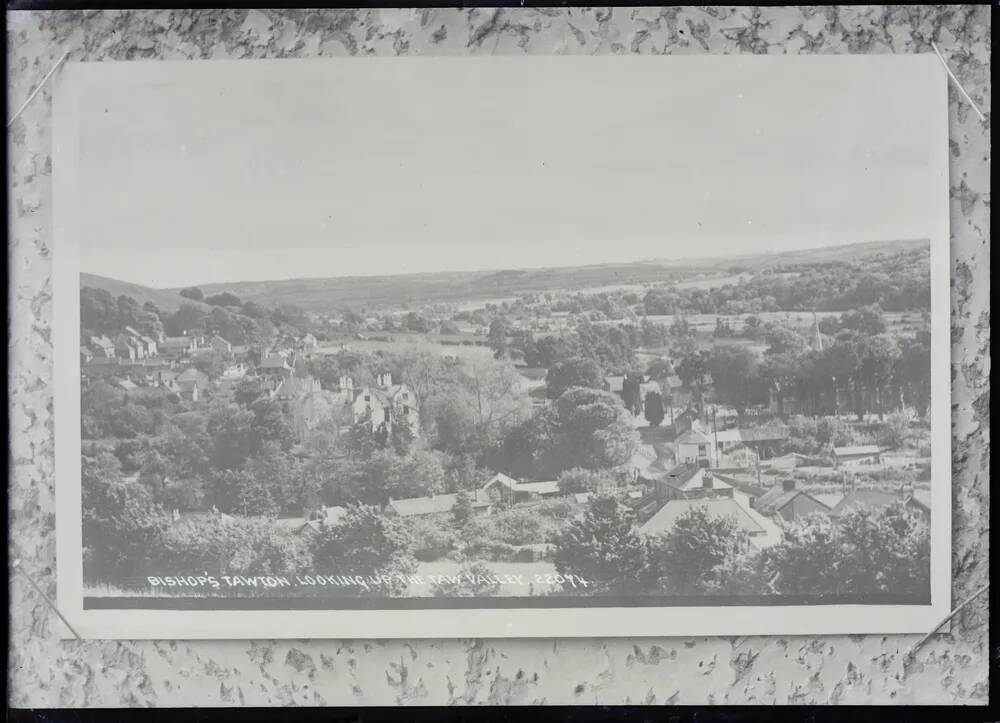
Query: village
point(467, 427)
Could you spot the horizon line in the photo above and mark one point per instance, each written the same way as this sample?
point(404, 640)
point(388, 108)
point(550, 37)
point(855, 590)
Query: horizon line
point(666, 261)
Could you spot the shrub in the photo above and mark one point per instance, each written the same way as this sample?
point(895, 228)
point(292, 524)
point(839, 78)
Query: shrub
point(431, 540)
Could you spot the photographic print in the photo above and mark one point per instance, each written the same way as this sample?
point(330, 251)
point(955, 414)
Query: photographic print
point(483, 347)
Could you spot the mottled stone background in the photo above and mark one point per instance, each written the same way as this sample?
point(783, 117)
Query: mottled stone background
point(951, 668)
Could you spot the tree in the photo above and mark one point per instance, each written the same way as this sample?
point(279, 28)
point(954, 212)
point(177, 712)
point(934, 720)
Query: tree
point(590, 430)
point(654, 409)
point(193, 293)
point(692, 368)
point(461, 512)
point(864, 552)
point(239, 546)
point(497, 338)
point(577, 480)
point(631, 393)
point(574, 372)
point(414, 321)
point(270, 425)
point(223, 299)
point(603, 548)
point(122, 524)
point(687, 559)
point(365, 542)
point(867, 320)
point(240, 492)
point(209, 362)
point(735, 375)
point(230, 429)
point(912, 372)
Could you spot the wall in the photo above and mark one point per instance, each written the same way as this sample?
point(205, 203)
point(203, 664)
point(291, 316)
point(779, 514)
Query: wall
point(850, 669)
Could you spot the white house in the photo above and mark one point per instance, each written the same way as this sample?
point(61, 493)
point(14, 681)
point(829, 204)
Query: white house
point(386, 403)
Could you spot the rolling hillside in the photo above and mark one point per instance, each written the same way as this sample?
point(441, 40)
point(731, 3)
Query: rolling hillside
point(164, 299)
point(324, 294)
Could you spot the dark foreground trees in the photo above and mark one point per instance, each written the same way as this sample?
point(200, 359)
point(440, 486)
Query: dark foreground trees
point(864, 552)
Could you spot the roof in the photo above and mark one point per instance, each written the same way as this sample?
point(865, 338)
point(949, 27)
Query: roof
point(435, 504)
point(763, 434)
point(777, 497)
point(186, 385)
point(294, 386)
point(502, 479)
point(747, 487)
point(275, 362)
point(615, 384)
point(697, 482)
point(865, 449)
point(873, 499)
point(693, 436)
point(666, 518)
point(539, 488)
point(679, 475)
point(179, 341)
point(192, 373)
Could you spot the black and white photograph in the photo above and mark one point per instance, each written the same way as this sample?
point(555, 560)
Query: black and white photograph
point(519, 347)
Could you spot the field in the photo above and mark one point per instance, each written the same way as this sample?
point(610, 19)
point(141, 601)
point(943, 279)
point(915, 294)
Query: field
point(401, 342)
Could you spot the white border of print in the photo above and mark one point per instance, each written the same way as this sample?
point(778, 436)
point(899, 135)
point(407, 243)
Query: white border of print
point(452, 623)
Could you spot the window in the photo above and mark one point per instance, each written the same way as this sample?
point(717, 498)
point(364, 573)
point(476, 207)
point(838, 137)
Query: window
point(368, 397)
point(406, 409)
point(385, 414)
point(702, 450)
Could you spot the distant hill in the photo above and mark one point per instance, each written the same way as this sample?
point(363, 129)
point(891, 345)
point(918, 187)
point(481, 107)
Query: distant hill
point(848, 252)
point(164, 299)
point(321, 294)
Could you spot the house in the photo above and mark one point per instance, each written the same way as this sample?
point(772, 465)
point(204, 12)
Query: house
point(683, 419)
point(149, 345)
point(387, 403)
point(433, 505)
point(190, 389)
point(327, 515)
point(501, 488)
point(308, 341)
point(102, 347)
point(695, 447)
point(275, 365)
point(858, 456)
point(125, 349)
point(746, 483)
point(789, 461)
point(194, 374)
point(787, 502)
point(220, 345)
point(176, 347)
point(666, 518)
point(295, 387)
point(871, 498)
point(689, 481)
point(614, 384)
point(126, 384)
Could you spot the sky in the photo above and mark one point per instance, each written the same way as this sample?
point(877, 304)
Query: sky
point(206, 172)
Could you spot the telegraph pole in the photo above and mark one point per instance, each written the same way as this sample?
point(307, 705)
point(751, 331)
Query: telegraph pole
point(715, 431)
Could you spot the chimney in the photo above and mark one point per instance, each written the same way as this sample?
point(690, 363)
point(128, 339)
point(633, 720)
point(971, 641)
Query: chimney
point(706, 479)
point(788, 484)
